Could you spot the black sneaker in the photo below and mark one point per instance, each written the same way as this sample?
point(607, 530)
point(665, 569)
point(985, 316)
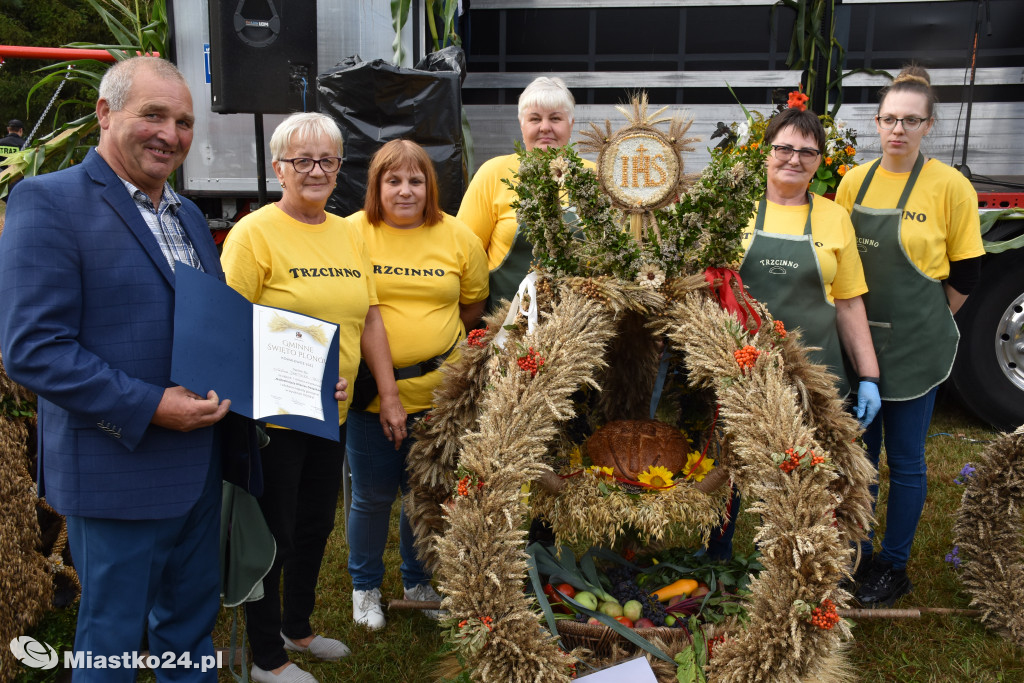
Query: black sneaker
point(850, 585)
point(884, 585)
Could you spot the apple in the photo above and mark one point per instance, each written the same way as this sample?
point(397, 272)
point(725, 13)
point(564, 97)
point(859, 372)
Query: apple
point(700, 592)
point(612, 609)
point(670, 620)
point(632, 609)
point(587, 599)
point(566, 590)
point(594, 621)
point(643, 623)
point(625, 621)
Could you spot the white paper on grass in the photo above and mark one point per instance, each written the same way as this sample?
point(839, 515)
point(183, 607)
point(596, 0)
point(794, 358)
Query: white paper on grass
point(631, 671)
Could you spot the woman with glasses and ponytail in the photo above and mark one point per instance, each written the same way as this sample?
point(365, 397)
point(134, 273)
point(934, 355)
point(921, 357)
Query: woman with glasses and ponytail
point(800, 259)
point(917, 228)
point(294, 255)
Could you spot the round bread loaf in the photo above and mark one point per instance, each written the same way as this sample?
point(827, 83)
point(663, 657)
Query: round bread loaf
point(631, 446)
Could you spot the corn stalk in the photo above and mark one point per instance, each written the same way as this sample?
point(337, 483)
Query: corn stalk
point(137, 26)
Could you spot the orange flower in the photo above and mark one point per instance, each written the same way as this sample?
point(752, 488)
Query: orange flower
point(753, 145)
point(797, 100)
point(842, 169)
point(850, 150)
point(828, 161)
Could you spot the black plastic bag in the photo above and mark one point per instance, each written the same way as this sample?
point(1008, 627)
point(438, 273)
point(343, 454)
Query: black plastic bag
point(375, 102)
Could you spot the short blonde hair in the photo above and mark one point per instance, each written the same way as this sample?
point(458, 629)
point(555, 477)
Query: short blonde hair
point(307, 126)
point(547, 92)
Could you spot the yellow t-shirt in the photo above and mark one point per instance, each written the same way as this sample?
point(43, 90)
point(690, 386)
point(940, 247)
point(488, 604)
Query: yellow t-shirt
point(834, 243)
point(940, 222)
point(422, 275)
point(319, 270)
point(487, 206)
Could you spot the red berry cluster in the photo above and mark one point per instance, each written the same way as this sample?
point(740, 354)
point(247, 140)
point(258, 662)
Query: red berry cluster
point(792, 463)
point(717, 640)
point(488, 622)
point(532, 362)
point(746, 356)
point(816, 459)
point(464, 484)
point(476, 338)
point(780, 329)
point(825, 616)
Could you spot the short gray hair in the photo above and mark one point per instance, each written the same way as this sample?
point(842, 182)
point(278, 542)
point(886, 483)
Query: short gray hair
point(308, 126)
point(547, 93)
point(116, 85)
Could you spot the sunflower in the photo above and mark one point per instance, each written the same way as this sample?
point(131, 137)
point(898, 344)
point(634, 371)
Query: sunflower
point(697, 466)
point(656, 476)
point(602, 473)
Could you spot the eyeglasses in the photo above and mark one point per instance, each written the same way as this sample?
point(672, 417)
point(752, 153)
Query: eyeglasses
point(909, 122)
point(785, 153)
point(305, 164)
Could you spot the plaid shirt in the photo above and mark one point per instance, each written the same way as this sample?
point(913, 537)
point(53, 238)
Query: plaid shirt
point(164, 224)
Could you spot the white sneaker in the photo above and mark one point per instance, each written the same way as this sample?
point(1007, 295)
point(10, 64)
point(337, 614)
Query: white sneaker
point(366, 609)
point(426, 593)
point(290, 674)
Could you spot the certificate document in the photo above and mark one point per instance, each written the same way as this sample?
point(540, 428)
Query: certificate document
point(290, 354)
point(275, 365)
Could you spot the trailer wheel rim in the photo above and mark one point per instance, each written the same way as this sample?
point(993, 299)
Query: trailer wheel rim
point(1009, 342)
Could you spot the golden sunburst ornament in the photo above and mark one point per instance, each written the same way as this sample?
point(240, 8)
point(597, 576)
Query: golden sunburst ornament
point(640, 166)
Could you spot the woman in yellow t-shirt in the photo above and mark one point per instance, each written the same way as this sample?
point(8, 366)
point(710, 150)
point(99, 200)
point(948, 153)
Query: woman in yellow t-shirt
point(294, 255)
point(917, 229)
point(546, 111)
point(431, 278)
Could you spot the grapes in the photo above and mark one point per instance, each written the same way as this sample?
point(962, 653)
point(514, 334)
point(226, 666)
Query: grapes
point(624, 589)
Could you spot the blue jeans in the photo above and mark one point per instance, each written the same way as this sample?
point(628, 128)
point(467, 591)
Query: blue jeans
point(378, 473)
point(905, 424)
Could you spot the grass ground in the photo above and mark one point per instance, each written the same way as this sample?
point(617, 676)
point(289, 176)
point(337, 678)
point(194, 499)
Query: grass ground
point(939, 649)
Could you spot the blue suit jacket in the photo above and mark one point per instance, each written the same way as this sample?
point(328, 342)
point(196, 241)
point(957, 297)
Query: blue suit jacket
point(87, 323)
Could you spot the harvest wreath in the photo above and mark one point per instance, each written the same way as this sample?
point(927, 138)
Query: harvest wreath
point(596, 314)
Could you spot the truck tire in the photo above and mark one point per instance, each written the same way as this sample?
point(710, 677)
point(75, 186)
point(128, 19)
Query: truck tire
point(988, 373)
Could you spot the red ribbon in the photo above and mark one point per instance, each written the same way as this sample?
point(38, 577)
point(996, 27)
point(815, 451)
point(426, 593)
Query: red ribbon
point(743, 308)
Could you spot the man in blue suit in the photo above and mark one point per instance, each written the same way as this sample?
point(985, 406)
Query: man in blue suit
point(87, 262)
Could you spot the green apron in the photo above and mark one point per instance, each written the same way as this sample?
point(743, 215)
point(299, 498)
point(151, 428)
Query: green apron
point(507, 275)
point(912, 328)
point(783, 272)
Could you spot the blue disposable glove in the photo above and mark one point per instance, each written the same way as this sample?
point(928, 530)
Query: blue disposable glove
point(868, 403)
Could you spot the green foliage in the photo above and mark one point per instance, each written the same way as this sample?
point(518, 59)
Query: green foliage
point(576, 232)
point(440, 13)
point(809, 41)
point(57, 629)
point(136, 26)
point(10, 407)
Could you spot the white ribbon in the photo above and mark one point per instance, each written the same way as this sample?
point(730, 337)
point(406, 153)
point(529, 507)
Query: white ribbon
point(527, 287)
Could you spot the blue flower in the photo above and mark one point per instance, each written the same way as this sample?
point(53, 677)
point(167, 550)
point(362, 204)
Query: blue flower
point(953, 557)
point(965, 473)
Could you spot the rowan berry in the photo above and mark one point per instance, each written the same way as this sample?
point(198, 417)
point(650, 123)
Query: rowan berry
point(476, 338)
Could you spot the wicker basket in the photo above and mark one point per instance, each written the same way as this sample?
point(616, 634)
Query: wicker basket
point(599, 638)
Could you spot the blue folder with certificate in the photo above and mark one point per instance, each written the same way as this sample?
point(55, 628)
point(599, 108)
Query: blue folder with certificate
point(275, 365)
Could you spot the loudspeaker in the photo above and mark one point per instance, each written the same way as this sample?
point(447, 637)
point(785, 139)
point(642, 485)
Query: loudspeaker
point(263, 56)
